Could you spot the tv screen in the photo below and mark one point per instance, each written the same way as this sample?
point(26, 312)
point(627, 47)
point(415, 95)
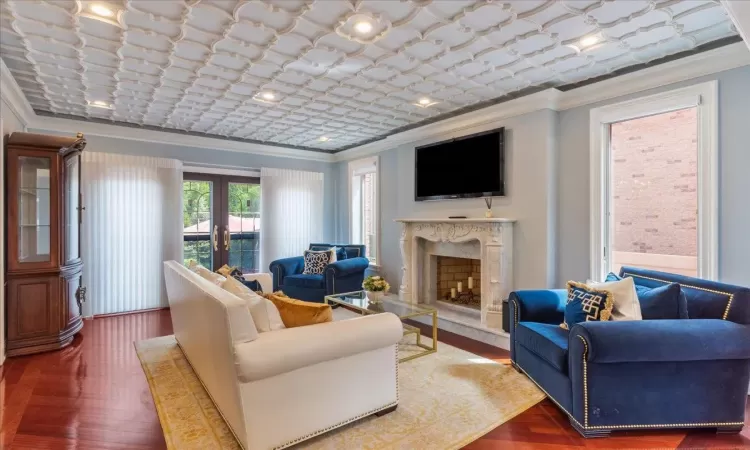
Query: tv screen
point(470, 166)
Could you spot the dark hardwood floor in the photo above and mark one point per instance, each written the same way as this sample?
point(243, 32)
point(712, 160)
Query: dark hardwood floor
point(93, 396)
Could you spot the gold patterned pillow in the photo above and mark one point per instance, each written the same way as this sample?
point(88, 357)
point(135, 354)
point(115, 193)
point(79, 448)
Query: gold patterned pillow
point(587, 304)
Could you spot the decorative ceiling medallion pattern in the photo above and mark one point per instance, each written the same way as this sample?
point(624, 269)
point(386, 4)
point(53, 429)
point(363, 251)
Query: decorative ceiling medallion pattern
point(287, 72)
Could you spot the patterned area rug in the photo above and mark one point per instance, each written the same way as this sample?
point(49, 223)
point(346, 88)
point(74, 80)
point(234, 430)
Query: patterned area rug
point(447, 400)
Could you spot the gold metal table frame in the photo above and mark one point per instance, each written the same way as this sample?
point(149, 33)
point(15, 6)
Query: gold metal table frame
point(359, 302)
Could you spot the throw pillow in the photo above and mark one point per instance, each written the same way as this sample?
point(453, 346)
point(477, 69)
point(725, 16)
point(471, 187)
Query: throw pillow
point(626, 305)
point(213, 277)
point(663, 302)
point(586, 304)
point(340, 253)
point(316, 261)
point(264, 312)
point(298, 313)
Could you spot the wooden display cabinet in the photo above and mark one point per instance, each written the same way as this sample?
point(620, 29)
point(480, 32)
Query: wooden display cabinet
point(44, 294)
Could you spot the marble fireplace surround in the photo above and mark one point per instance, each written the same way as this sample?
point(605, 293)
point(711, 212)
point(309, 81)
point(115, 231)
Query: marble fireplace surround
point(489, 240)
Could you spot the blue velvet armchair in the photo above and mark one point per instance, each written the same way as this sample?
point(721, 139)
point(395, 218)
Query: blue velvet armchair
point(609, 376)
point(344, 275)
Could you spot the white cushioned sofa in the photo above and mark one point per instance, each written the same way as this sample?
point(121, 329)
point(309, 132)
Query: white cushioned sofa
point(278, 388)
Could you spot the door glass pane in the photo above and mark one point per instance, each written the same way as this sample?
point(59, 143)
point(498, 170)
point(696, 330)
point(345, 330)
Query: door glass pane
point(72, 166)
point(654, 195)
point(33, 209)
point(244, 226)
point(198, 222)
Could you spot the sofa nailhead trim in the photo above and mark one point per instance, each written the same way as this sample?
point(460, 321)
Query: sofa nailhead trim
point(728, 294)
point(585, 382)
point(342, 423)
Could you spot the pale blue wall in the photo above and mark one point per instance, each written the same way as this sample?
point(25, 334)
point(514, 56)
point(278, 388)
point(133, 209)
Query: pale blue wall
point(237, 160)
point(734, 180)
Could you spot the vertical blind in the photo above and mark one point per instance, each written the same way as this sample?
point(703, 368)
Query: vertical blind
point(132, 223)
point(291, 213)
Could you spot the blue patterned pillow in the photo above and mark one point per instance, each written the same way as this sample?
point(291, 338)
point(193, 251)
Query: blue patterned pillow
point(316, 261)
point(586, 304)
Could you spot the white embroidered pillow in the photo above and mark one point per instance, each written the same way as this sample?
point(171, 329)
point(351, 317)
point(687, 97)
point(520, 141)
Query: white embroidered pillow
point(627, 306)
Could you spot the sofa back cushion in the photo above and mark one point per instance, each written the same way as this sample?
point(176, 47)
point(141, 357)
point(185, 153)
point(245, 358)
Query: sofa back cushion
point(350, 250)
point(705, 299)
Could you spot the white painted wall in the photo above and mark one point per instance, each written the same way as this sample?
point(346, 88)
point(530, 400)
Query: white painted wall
point(530, 199)
point(9, 123)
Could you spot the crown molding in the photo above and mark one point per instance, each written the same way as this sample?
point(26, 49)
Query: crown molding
point(739, 12)
point(693, 66)
point(62, 125)
point(706, 63)
point(13, 96)
point(444, 129)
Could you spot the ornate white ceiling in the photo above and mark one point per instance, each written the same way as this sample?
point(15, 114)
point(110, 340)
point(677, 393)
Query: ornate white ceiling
point(203, 66)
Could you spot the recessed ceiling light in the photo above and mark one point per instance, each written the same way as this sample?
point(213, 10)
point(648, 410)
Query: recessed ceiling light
point(101, 10)
point(424, 101)
point(324, 139)
point(268, 95)
point(589, 41)
point(100, 104)
point(363, 27)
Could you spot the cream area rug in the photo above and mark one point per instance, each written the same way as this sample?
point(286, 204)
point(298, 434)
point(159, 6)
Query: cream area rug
point(447, 400)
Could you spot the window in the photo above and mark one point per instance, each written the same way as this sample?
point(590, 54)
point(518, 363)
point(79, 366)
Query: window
point(364, 219)
point(654, 183)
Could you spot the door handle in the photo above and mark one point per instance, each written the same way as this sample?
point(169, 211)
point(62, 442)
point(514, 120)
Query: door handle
point(227, 238)
point(216, 238)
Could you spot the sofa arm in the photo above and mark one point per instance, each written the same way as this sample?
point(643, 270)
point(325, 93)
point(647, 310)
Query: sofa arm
point(544, 306)
point(285, 267)
point(348, 266)
point(282, 351)
point(661, 340)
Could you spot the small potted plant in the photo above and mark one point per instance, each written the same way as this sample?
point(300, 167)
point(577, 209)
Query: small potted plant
point(376, 287)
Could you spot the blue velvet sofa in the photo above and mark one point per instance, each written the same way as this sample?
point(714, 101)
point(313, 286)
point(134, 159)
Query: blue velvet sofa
point(609, 376)
point(345, 275)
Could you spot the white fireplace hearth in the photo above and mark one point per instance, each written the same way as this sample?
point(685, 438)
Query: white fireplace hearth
point(489, 240)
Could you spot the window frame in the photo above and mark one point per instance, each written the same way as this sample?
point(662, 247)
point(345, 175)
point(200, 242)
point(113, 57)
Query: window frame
point(357, 168)
point(704, 97)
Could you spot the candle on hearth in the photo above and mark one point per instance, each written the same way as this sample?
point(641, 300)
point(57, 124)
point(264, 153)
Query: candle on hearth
point(471, 283)
point(453, 292)
point(460, 286)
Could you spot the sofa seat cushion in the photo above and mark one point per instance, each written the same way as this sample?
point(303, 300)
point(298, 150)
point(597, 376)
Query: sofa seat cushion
point(316, 281)
point(549, 342)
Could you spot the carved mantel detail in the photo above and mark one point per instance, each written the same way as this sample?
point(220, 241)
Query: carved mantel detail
point(495, 238)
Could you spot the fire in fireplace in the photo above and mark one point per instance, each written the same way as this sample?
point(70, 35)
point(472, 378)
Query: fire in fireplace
point(459, 281)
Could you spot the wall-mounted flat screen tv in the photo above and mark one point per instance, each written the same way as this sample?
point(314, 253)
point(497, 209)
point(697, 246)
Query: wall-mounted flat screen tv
point(465, 167)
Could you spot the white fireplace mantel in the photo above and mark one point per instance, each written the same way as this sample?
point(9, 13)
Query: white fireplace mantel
point(495, 236)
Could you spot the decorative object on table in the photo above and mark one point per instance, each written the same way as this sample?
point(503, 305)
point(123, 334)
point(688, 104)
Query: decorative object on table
point(191, 421)
point(488, 202)
point(344, 275)
point(376, 287)
point(634, 374)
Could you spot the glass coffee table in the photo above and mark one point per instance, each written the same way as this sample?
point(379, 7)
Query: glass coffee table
point(359, 302)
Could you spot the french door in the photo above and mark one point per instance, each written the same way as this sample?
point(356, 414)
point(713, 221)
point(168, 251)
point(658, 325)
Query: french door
point(221, 218)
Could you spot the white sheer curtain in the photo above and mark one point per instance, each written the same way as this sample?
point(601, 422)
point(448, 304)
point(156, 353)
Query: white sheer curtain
point(291, 213)
point(132, 223)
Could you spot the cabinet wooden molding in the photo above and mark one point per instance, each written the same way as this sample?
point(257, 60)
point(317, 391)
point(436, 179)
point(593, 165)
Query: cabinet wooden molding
point(44, 271)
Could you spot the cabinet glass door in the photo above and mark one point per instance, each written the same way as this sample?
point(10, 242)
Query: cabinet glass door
point(72, 207)
point(34, 209)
